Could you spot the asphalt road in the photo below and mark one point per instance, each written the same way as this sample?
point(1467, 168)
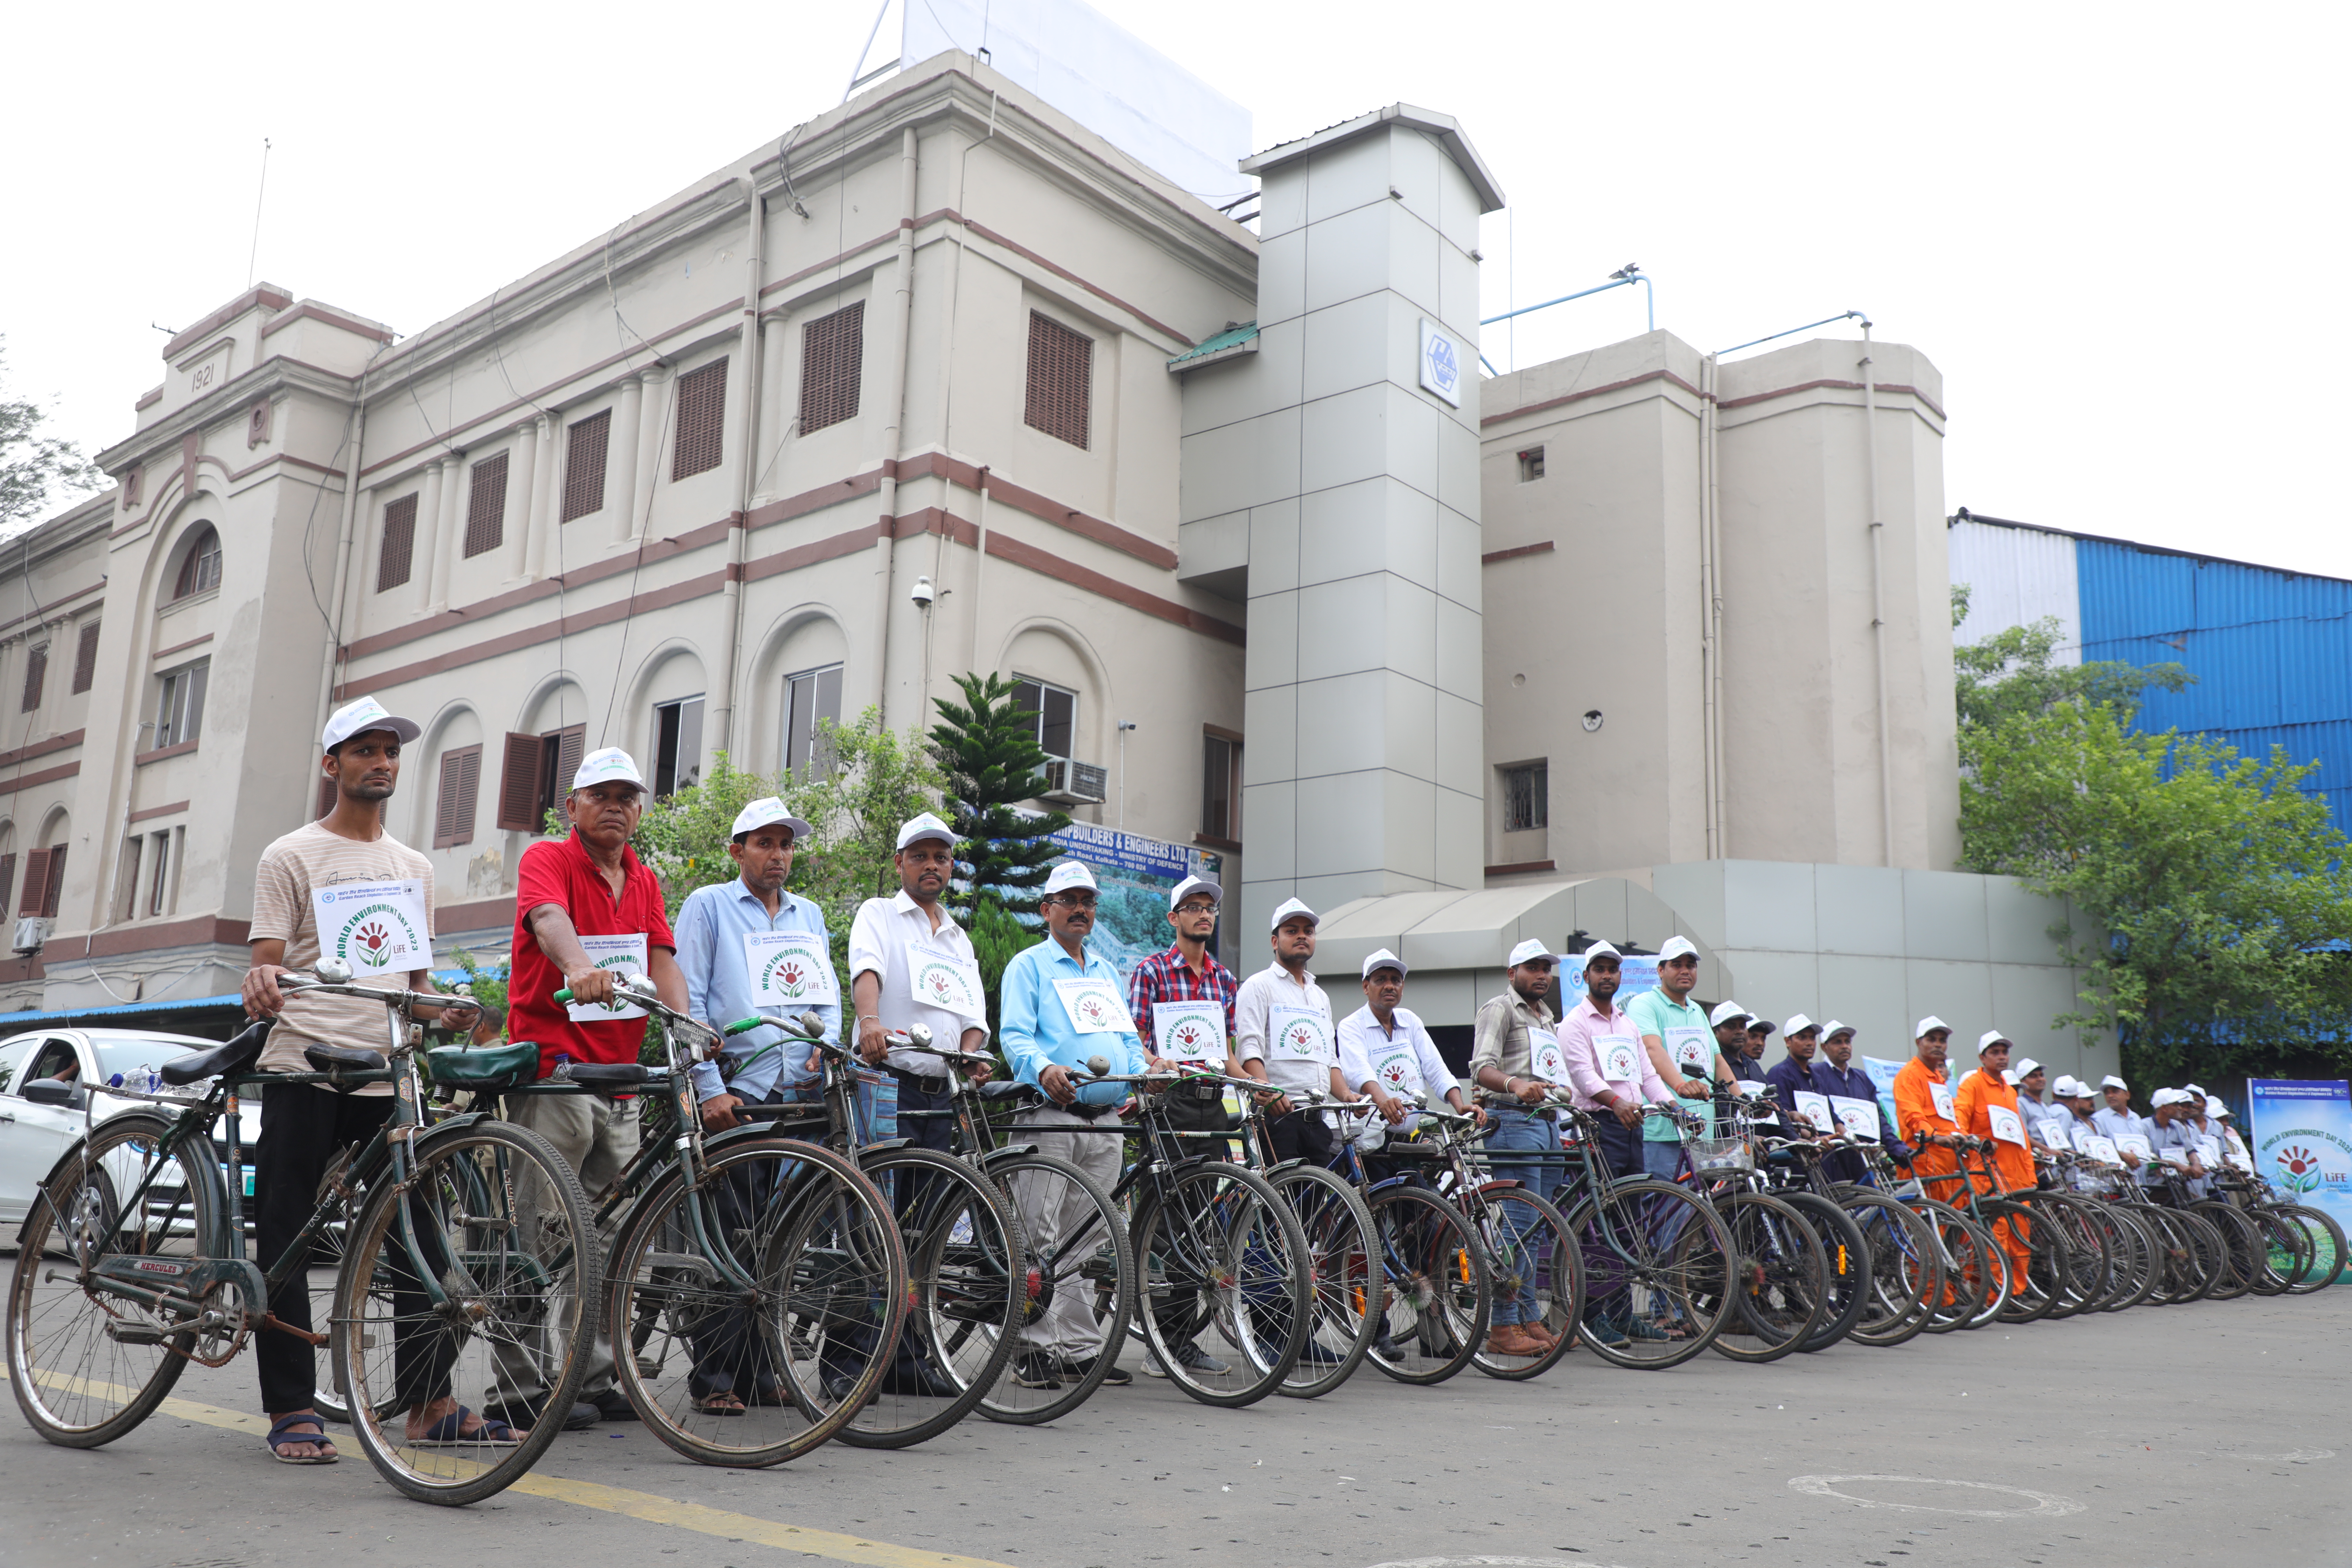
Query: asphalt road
point(2204, 1433)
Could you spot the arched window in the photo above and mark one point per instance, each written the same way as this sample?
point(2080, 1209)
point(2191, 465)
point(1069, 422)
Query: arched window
point(200, 568)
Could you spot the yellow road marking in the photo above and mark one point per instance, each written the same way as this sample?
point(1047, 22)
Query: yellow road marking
point(704, 1521)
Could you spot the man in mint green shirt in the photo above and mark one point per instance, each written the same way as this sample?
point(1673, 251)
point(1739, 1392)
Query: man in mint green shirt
point(1682, 1048)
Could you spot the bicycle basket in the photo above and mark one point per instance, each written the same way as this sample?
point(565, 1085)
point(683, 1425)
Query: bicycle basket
point(1721, 1154)
point(489, 1067)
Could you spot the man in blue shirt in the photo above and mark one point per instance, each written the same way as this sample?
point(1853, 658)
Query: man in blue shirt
point(723, 984)
point(1060, 1006)
point(731, 1367)
point(1836, 1076)
point(1794, 1072)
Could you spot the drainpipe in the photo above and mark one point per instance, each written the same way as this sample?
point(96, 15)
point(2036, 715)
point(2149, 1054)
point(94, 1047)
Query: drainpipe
point(722, 712)
point(1711, 579)
point(1878, 598)
point(893, 404)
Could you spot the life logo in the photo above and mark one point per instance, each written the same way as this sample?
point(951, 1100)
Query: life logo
point(374, 934)
point(1392, 1074)
point(788, 975)
point(1189, 1036)
point(2305, 1166)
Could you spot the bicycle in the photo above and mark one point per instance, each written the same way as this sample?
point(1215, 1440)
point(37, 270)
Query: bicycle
point(1898, 1274)
point(769, 1261)
point(440, 1270)
point(1781, 1283)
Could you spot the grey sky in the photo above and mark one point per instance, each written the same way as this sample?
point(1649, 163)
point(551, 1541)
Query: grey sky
point(2113, 229)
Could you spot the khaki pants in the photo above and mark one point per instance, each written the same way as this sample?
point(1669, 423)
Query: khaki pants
point(1051, 1211)
point(597, 1138)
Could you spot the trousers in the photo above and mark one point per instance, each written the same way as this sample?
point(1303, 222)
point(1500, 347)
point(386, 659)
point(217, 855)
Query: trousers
point(1052, 1213)
point(597, 1138)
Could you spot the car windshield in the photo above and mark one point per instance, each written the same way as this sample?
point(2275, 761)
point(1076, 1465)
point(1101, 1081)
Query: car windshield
point(129, 1056)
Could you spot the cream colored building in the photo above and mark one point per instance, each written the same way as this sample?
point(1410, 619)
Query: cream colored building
point(950, 383)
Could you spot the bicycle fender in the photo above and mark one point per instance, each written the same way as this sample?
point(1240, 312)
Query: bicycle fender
point(1403, 1178)
point(1009, 1152)
point(211, 1169)
point(1500, 1184)
point(714, 1141)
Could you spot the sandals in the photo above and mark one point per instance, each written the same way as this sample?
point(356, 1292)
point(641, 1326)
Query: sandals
point(449, 1432)
point(723, 1402)
point(282, 1434)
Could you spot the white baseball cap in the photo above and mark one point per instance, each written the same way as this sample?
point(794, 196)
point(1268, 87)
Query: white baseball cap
point(2112, 1082)
point(1993, 1036)
point(768, 812)
point(1726, 1013)
point(367, 714)
point(1928, 1022)
point(2064, 1086)
point(2213, 1107)
point(1068, 874)
point(2166, 1097)
point(2196, 1088)
point(2008, 1076)
point(1833, 1028)
point(1678, 947)
point(2025, 1068)
point(1191, 885)
point(1529, 951)
point(1600, 949)
point(1385, 959)
point(611, 766)
point(1288, 907)
point(917, 828)
point(1797, 1025)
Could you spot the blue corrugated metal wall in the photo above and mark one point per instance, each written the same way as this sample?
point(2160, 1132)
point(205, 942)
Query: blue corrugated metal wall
point(2271, 652)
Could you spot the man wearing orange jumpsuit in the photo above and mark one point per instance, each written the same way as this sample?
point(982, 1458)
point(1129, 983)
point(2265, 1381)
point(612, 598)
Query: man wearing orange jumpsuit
point(1923, 1107)
point(1986, 1107)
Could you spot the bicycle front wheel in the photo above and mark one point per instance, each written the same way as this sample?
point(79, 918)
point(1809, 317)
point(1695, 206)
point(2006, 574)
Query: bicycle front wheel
point(473, 1281)
point(88, 1364)
point(778, 1280)
point(1780, 1278)
point(1076, 1259)
point(1218, 1249)
point(2329, 1256)
point(1657, 1273)
point(1440, 1296)
point(1906, 1268)
point(1534, 1264)
point(1348, 1287)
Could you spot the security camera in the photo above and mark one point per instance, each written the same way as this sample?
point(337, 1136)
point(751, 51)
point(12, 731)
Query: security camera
point(923, 594)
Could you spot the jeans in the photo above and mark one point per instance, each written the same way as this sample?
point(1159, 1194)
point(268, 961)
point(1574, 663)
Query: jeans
point(1663, 1160)
point(1535, 1134)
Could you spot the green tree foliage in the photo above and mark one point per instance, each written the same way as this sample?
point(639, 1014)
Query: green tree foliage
point(2204, 885)
point(683, 836)
point(34, 468)
point(996, 936)
point(987, 748)
point(2014, 672)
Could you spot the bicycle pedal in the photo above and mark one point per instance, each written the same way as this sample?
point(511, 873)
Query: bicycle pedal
point(127, 1333)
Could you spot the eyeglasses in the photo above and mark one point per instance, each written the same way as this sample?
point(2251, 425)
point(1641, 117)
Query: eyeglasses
point(1073, 900)
point(1196, 907)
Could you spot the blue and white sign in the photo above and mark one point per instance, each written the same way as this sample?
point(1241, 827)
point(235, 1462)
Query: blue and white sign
point(1441, 362)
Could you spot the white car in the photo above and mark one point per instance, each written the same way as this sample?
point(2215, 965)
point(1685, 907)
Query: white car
point(33, 1137)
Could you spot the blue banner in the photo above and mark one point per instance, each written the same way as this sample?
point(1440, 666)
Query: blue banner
point(2302, 1138)
point(1135, 875)
point(1638, 975)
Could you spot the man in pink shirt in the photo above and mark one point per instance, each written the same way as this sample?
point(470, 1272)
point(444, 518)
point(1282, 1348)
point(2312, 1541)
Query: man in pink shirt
point(1609, 1073)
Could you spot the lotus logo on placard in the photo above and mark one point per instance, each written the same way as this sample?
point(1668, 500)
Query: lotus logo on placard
point(370, 938)
point(1188, 1036)
point(1392, 1073)
point(941, 987)
point(1302, 1039)
point(1092, 1008)
point(2298, 1168)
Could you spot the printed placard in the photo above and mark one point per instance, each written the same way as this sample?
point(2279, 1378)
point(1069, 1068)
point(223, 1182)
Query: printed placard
point(1544, 1057)
point(2174, 1156)
point(2007, 1125)
point(788, 969)
point(1093, 1006)
point(2135, 1144)
point(1193, 1033)
point(1620, 1057)
point(2054, 1134)
point(938, 978)
point(377, 928)
point(2237, 1157)
point(1690, 1048)
point(1815, 1108)
point(1299, 1035)
point(2102, 1149)
point(1941, 1093)
point(1752, 1087)
point(1397, 1069)
point(1858, 1116)
point(2208, 1153)
point(622, 955)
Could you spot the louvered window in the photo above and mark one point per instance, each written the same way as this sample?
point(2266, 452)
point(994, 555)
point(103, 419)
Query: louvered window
point(701, 413)
point(85, 670)
point(832, 362)
point(399, 551)
point(37, 675)
point(7, 876)
point(1061, 380)
point(486, 506)
point(45, 883)
point(583, 465)
point(461, 785)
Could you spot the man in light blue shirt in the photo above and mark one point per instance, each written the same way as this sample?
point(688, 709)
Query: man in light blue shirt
point(765, 1065)
point(1060, 1006)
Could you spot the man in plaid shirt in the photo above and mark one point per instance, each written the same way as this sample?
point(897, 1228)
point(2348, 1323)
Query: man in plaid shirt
point(1188, 971)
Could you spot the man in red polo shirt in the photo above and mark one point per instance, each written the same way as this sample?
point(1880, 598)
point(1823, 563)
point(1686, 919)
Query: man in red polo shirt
point(586, 911)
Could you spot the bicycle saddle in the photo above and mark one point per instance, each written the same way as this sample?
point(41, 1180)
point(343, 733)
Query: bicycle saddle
point(1004, 1088)
point(604, 1075)
point(238, 1054)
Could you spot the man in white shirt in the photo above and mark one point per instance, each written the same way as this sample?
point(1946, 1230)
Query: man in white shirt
point(1283, 1036)
point(910, 963)
point(1386, 1054)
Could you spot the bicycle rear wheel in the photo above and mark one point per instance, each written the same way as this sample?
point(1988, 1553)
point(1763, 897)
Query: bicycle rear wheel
point(2244, 1250)
point(1076, 1243)
point(1217, 1249)
point(2089, 1269)
point(2286, 1251)
point(2328, 1256)
point(1440, 1294)
point(1657, 1273)
point(2036, 1258)
point(1528, 1241)
point(780, 1278)
point(479, 1274)
point(1349, 1288)
point(1972, 1279)
point(1779, 1288)
point(86, 1364)
point(1906, 1268)
point(1847, 1253)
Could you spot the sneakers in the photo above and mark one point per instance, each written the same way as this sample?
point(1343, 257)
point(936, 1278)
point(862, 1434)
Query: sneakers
point(1152, 1367)
point(1035, 1370)
point(1193, 1358)
point(1604, 1333)
point(1116, 1377)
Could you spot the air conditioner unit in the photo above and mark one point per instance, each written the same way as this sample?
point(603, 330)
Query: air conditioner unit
point(32, 930)
point(1070, 783)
